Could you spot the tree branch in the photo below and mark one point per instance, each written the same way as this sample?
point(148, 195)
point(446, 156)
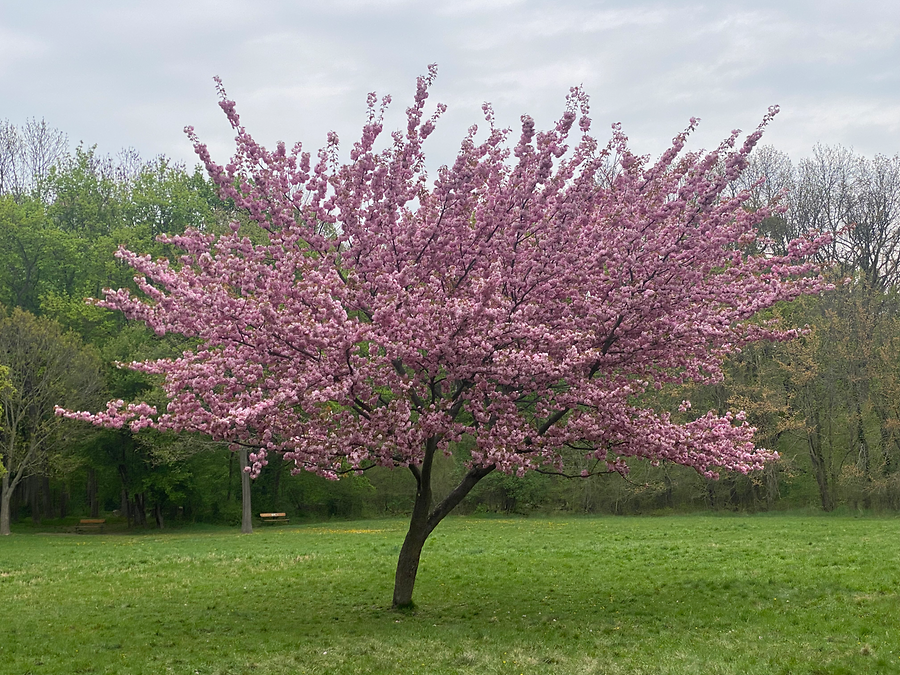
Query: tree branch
point(458, 493)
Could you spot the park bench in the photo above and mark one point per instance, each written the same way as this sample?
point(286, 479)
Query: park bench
point(90, 525)
point(272, 518)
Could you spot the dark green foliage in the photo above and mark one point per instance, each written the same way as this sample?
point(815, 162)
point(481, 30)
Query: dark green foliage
point(35, 257)
point(512, 494)
point(56, 252)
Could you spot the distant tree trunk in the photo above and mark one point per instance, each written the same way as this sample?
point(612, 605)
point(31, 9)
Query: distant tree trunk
point(64, 500)
point(5, 497)
point(92, 490)
point(734, 498)
point(424, 520)
point(47, 496)
point(140, 509)
point(158, 514)
point(709, 493)
point(887, 436)
point(246, 506)
point(15, 505)
point(276, 484)
point(819, 469)
point(33, 485)
point(230, 475)
point(124, 504)
point(770, 475)
point(863, 461)
point(669, 493)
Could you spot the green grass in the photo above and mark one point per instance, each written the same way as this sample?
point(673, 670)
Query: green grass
point(691, 594)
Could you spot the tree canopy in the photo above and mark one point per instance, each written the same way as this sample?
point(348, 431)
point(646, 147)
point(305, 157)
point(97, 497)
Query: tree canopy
point(46, 368)
point(520, 307)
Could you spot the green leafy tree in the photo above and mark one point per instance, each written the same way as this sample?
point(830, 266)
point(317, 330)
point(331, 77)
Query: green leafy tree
point(35, 257)
point(46, 368)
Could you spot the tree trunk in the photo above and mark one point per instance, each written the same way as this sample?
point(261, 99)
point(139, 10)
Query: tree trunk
point(47, 496)
point(32, 484)
point(15, 503)
point(158, 515)
point(820, 471)
point(886, 438)
point(126, 505)
point(64, 501)
point(93, 501)
point(863, 460)
point(276, 484)
point(424, 520)
point(230, 475)
point(771, 478)
point(5, 497)
point(140, 509)
point(411, 551)
point(669, 494)
point(863, 457)
point(246, 506)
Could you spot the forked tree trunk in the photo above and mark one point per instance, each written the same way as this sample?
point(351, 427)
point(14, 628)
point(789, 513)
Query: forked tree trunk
point(411, 551)
point(246, 506)
point(820, 470)
point(140, 509)
point(8, 499)
point(424, 519)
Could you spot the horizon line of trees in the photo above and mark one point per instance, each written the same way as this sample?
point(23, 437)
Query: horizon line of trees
point(828, 402)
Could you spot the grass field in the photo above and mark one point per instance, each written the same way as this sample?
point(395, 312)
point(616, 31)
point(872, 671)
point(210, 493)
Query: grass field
point(691, 594)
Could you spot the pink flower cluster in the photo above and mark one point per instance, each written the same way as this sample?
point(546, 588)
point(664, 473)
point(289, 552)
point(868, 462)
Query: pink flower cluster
point(526, 299)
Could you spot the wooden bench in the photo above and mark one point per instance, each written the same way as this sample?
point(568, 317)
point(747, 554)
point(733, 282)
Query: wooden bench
point(272, 518)
point(90, 525)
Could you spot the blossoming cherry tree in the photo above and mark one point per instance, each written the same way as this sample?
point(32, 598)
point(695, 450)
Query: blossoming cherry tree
point(518, 306)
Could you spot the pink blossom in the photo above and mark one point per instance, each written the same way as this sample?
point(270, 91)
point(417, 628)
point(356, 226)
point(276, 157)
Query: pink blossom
point(525, 299)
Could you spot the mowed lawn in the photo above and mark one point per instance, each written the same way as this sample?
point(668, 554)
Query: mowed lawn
point(690, 594)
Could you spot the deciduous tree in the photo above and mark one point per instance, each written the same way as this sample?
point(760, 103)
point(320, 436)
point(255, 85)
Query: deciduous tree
point(46, 367)
point(524, 302)
point(27, 154)
point(837, 377)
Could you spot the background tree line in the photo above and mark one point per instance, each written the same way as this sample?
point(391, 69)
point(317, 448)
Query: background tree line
point(829, 402)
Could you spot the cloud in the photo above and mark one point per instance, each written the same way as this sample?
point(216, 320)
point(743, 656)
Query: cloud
point(17, 48)
point(136, 73)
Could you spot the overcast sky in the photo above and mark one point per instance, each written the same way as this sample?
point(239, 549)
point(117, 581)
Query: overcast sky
point(133, 74)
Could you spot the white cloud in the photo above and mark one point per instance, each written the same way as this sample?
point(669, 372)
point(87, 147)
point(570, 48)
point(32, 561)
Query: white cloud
point(458, 8)
point(135, 73)
point(18, 48)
